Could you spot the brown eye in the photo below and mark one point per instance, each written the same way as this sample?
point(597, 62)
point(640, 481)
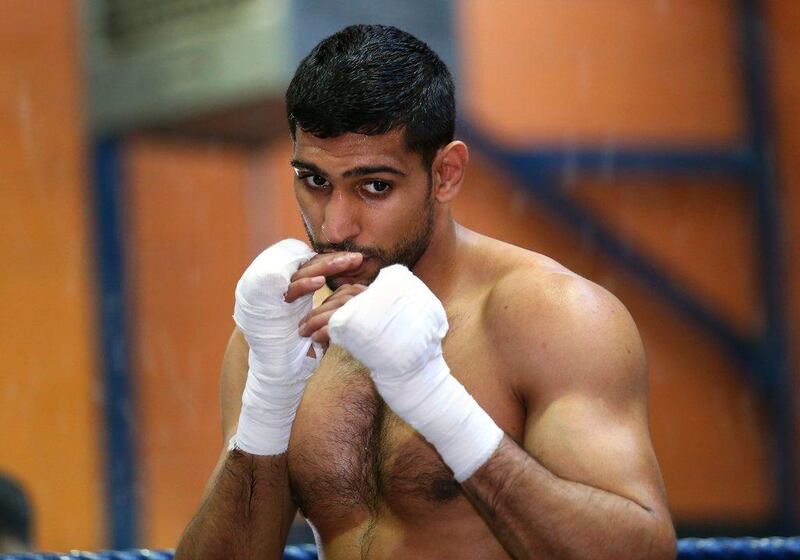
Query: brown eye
point(377, 187)
point(315, 181)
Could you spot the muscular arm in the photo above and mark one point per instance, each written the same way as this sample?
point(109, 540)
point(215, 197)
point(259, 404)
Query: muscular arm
point(585, 483)
point(248, 509)
point(537, 514)
point(247, 513)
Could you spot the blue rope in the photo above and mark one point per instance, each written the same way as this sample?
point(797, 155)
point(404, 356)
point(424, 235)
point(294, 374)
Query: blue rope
point(745, 548)
point(299, 552)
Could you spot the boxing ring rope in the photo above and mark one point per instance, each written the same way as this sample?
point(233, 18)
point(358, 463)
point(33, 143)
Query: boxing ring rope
point(719, 548)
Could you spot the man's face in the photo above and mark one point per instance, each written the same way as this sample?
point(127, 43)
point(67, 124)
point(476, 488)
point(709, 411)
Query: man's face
point(365, 194)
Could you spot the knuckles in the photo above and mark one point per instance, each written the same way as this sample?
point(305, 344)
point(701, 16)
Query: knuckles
point(268, 276)
point(397, 323)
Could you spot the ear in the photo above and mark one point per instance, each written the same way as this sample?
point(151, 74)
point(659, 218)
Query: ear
point(449, 170)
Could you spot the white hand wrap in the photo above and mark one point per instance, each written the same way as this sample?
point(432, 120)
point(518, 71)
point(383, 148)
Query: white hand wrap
point(395, 328)
point(278, 363)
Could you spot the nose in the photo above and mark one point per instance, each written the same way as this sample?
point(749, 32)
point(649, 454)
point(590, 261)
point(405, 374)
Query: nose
point(341, 219)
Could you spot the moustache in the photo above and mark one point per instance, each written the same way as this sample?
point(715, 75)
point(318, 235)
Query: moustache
point(348, 247)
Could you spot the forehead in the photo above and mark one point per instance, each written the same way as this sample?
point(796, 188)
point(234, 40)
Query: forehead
point(340, 153)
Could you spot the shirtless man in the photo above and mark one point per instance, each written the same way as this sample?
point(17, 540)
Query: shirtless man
point(474, 400)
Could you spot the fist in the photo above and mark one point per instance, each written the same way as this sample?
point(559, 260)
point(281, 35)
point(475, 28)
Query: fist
point(266, 280)
point(278, 361)
point(395, 327)
point(268, 323)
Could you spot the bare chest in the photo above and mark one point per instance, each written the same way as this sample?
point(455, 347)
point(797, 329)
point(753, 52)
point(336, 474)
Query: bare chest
point(350, 456)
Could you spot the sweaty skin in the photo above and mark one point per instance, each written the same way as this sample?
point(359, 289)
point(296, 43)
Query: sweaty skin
point(554, 359)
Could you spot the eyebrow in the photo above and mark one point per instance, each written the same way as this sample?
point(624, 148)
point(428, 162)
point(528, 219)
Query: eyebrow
point(354, 172)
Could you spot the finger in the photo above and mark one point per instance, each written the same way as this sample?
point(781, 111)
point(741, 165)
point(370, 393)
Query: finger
point(346, 288)
point(342, 295)
point(328, 264)
point(322, 337)
point(315, 323)
point(302, 287)
point(345, 292)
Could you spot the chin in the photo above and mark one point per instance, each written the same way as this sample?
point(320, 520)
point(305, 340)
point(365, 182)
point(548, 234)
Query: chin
point(334, 282)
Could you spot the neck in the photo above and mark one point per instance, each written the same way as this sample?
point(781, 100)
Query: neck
point(438, 265)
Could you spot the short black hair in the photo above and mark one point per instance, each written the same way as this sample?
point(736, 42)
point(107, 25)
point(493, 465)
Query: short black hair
point(15, 511)
point(370, 79)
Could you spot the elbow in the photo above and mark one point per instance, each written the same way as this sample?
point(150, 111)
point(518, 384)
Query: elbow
point(660, 539)
point(667, 543)
point(652, 538)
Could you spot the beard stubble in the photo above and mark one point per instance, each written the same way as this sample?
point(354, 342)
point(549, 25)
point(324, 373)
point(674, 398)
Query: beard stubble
point(407, 251)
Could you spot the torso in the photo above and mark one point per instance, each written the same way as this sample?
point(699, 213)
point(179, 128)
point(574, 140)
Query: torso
point(367, 482)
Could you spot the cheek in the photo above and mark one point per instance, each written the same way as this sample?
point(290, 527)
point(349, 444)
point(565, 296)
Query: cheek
point(300, 197)
point(383, 224)
point(402, 215)
point(308, 210)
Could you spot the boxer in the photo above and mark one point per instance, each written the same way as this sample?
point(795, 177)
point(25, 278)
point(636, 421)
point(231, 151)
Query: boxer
point(416, 389)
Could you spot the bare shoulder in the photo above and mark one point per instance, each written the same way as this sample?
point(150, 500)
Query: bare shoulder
point(559, 332)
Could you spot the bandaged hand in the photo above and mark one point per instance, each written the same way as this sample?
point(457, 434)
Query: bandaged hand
point(279, 359)
point(395, 328)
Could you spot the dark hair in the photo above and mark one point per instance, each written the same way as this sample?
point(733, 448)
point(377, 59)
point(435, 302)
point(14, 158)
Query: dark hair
point(15, 511)
point(370, 79)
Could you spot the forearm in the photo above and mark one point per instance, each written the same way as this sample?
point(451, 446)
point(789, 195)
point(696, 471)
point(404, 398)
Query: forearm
point(247, 513)
point(536, 514)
